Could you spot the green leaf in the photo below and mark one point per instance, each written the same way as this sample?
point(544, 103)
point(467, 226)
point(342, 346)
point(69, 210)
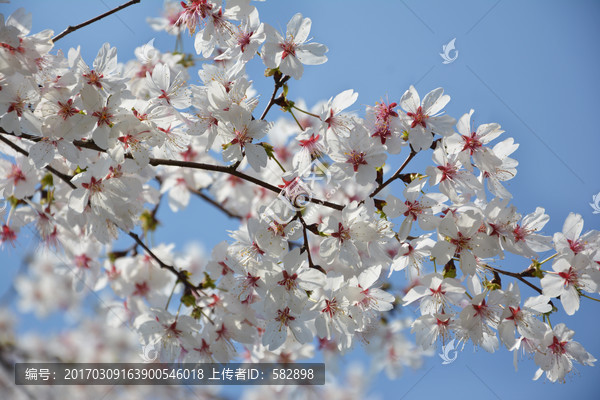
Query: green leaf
point(196, 312)
point(450, 270)
point(271, 71)
point(269, 149)
point(47, 180)
point(149, 221)
point(208, 282)
point(285, 90)
point(188, 299)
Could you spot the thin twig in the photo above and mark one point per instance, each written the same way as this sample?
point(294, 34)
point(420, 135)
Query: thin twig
point(396, 174)
point(516, 275)
point(307, 246)
point(279, 82)
point(181, 275)
point(91, 21)
point(589, 297)
point(306, 112)
point(296, 119)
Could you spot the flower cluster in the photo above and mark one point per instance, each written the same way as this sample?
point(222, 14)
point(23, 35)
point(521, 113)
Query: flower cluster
point(92, 151)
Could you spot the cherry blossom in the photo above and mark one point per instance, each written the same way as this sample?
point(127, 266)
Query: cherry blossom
point(318, 221)
point(289, 53)
point(558, 351)
point(423, 119)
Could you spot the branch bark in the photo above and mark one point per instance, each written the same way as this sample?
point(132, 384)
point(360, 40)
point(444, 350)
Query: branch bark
point(231, 170)
point(396, 174)
point(71, 29)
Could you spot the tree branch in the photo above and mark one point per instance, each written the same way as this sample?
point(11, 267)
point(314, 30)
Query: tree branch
point(307, 246)
point(396, 174)
point(231, 170)
point(181, 275)
point(91, 21)
point(279, 82)
point(519, 276)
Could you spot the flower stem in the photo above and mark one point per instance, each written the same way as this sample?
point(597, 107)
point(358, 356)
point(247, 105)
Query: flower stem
point(306, 112)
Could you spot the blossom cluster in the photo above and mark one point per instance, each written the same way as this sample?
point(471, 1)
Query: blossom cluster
point(92, 151)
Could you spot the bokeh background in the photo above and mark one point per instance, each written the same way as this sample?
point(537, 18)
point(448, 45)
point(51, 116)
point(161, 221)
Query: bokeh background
point(530, 66)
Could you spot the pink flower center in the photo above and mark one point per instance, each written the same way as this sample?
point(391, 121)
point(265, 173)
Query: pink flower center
point(7, 235)
point(383, 115)
point(189, 154)
point(515, 314)
point(482, 310)
point(520, 233)
point(66, 109)
point(418, 118)
point(251, 281)
point(288, 281)
point(172, 330)
point(277, 228)
point(569, 276)
point(222, 333)
point(141, 289)
point(82, 261)
point(576, 246)
point(288, 47)
point(557, 347)
point(472, 143)
point(165, 96)
point(224, 268)
point(342, 233)
point(331, 307)
point(12, 50)
point(244, 40)
point(241, 137)
point(283, 316)
point(461, 242)
point(193, 12)
point(356, 159)
point(414, 209)
point(17, 106)
point(449, 171)
point(94, 186)
point(103, 116)
point(437, 292)
point(94, 79)
point(16, 175)
point(311, 143)
point(205, 348)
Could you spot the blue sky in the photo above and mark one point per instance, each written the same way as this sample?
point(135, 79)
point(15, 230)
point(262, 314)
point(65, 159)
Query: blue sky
point(530, 66)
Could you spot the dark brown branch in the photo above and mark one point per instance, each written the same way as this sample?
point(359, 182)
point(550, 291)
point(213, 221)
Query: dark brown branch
point(306, 246)
point(519, 276)
point(180, 274)
point(279, 82)
point(396, 174)
point(231, 170)
point(91, 21)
